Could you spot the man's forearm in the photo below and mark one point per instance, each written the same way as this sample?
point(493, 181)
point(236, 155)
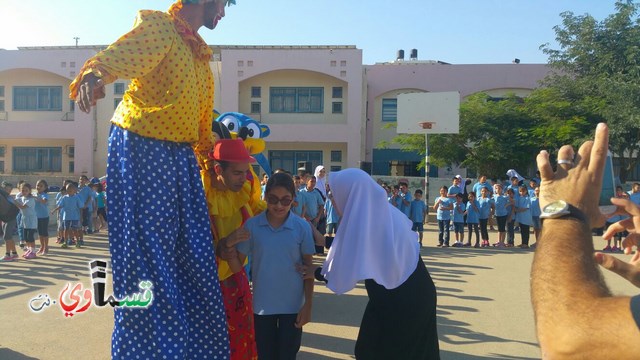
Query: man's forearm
point(565, 281)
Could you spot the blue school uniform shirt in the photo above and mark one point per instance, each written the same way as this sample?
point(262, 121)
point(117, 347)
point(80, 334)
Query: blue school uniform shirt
point(472, 214)
point(516, 194)
point(535, 206)
point(501, 205)
point(458, 212)
point(417, 211)
point(477, 188)
point(485, 207)
point(453, 190)
point(406, 209)
point(84, 193)
point(71, 206)
point(635, 197)
point(524, 217)
point(313, 199)
point(300, 200)
point(42, 210)
point(29, 219)
point(444, 202)
point(277, 285)
point(332, 214)
point(61, 210)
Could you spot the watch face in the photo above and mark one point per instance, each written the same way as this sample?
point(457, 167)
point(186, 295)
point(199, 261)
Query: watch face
point(555, 207)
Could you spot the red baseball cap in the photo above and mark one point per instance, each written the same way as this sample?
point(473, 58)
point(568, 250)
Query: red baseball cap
point(231, 150)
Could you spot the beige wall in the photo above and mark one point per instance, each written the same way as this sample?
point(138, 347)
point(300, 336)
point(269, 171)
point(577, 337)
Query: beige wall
point(104, 112)
point(292, 78)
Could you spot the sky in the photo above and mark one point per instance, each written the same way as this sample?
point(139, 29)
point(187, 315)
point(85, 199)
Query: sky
point(453, 31)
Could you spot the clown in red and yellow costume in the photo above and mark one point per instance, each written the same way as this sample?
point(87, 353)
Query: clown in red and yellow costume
point(231, 200)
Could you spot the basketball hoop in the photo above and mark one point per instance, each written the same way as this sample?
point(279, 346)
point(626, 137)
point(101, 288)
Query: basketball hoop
point(426, 125)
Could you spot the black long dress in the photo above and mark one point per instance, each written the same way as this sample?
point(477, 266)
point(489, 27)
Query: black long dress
point(400, 323)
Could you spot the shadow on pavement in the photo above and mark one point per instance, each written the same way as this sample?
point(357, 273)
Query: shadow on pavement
point(8, 354)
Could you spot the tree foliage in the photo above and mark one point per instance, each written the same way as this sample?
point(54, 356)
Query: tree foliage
point(598, 70)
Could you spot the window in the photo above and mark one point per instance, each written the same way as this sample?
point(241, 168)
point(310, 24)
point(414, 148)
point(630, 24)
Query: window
point(336, 107)
point(37, 98)
point(72, 106)
point(118, 88)
point(288, 159)
point(336, 155)
point(256, 91)
point(37, 159)
point(343, 63)
point(72, 64)
point(389, 109)
point(296, 100)
point(116, 102)
point(256, 107)
point(336, 92)
point(2, 91)
point(1, 166)
point(3, 149)
point(335, 168)
point(71, 151)
point(63, 64)
point(72, 167)
point(1, 105)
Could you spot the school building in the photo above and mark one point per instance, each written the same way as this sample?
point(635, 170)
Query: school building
point(323, 106)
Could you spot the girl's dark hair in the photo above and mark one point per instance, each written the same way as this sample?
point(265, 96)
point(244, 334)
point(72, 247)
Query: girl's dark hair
point(283, 180)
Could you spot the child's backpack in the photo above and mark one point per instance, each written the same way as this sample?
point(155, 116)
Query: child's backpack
point(8, 210)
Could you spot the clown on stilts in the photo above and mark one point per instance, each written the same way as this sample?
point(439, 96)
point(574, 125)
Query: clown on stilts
point(159, 228)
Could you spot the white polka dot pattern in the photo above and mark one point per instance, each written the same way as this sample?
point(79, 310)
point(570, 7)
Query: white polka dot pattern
point(159, 231)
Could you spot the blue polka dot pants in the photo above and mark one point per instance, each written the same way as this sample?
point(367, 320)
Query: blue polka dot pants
point(159, 231)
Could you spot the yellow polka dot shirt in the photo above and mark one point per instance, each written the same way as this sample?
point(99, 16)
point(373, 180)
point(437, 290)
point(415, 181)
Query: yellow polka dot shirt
point(170, 96)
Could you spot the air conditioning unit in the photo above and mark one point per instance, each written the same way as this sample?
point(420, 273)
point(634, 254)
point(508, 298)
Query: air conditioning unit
point(71, 150)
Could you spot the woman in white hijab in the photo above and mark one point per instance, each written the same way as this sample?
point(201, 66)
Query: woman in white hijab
point(321, 179)
point(375, 243)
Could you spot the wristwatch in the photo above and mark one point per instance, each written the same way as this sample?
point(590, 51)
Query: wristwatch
point(561, 209)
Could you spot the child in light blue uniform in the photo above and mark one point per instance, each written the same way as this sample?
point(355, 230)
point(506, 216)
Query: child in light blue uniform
point(502, 213)
point(418, 212)
point(458, 220)
point(279, 243)
point(333, 219)
point(443, 205)
point(487, 208)
point(511, 217)
point(27, 205)
point(523, 216)
point(42, 212)
point(71, 204)
point(473, 212)
point(535, 212)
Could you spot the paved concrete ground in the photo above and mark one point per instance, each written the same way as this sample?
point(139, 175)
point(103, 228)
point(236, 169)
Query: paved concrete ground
point(484, 308)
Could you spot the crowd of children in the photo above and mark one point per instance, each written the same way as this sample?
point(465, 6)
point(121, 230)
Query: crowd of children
point(515, 209)
point(78, 207)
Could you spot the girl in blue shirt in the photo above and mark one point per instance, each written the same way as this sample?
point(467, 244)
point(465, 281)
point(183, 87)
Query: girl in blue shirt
point(443, 205)
point(279, 243)
point(501, 203)
point(473, 212)
point(523, 216)
point(458, 220)
point(535, 212)
point(27, 205)
point(487, 208)
point(511, 218)
point(42, 211)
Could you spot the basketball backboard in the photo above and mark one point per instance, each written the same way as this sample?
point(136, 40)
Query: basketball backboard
point(429, 113)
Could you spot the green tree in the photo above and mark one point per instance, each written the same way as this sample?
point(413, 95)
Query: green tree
point(598, 71)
